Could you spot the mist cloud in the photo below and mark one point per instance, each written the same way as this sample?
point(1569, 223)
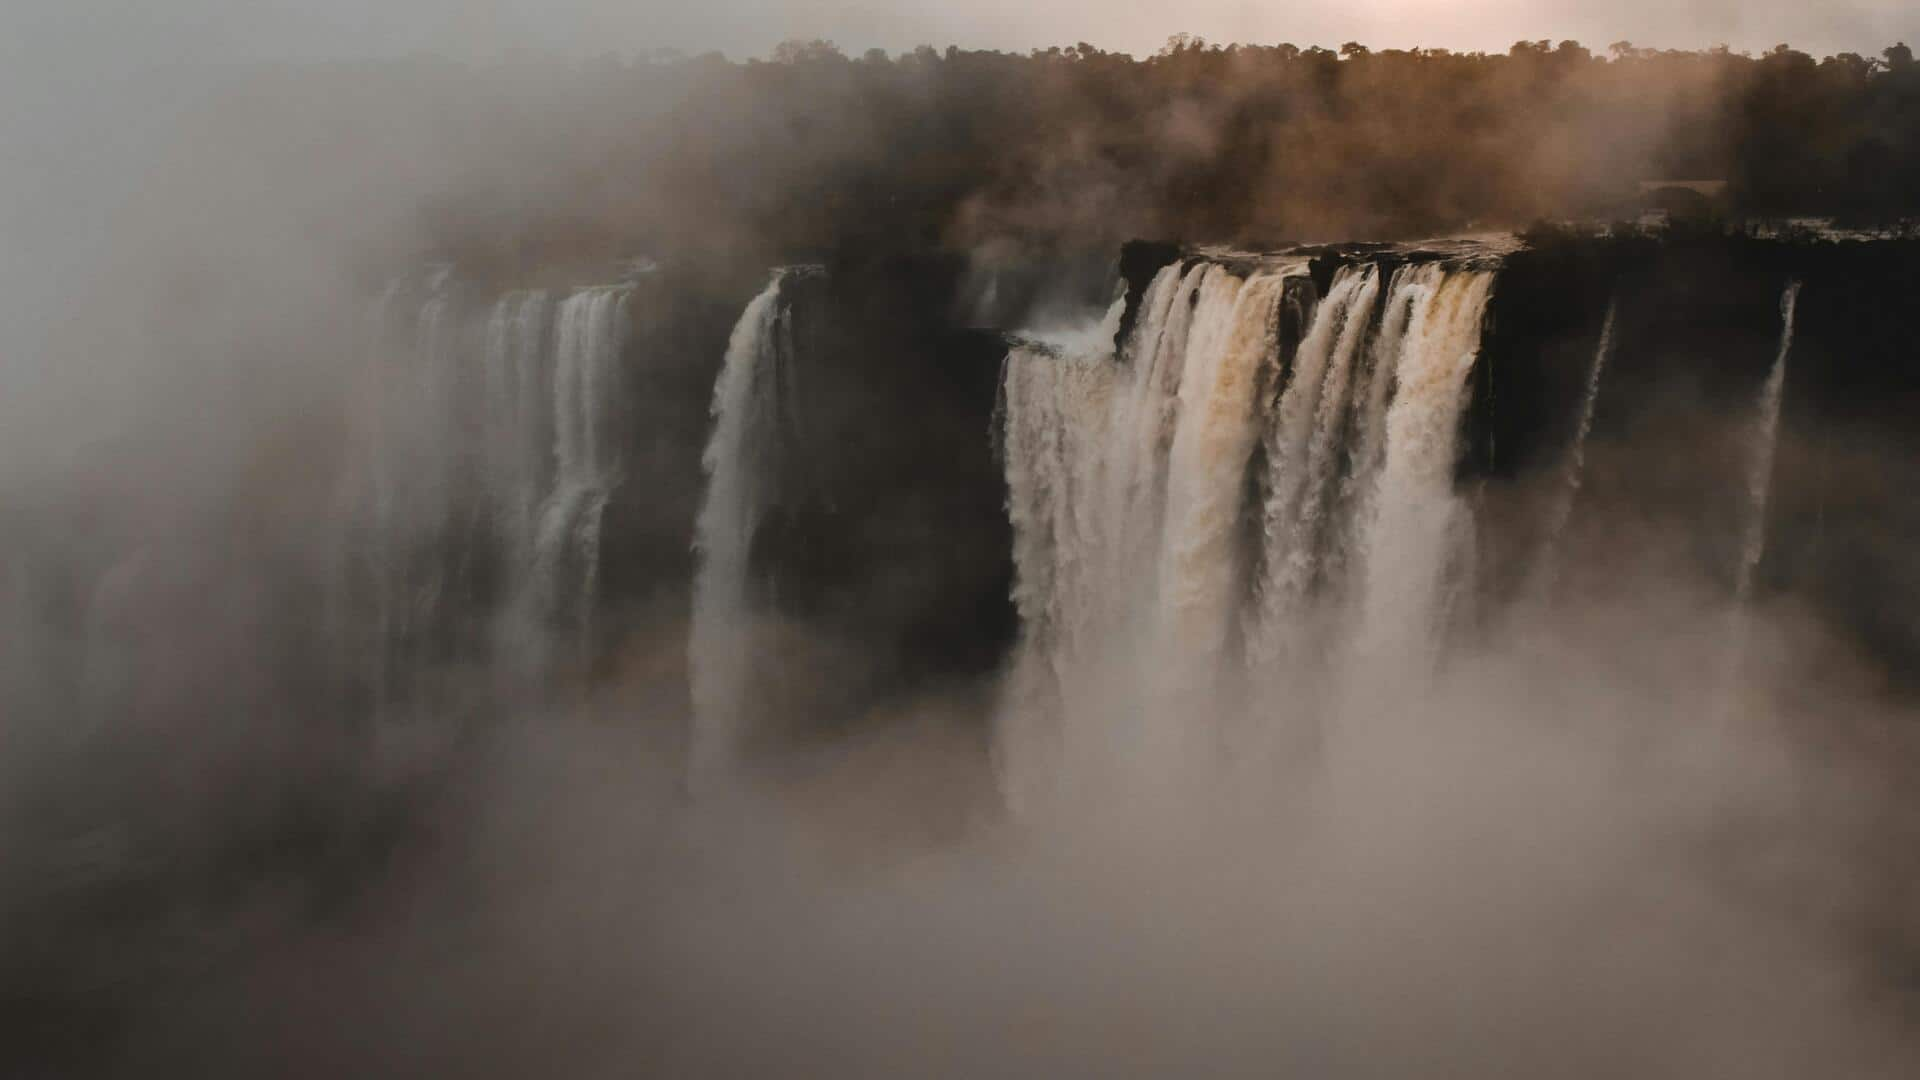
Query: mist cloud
point(1544, 861)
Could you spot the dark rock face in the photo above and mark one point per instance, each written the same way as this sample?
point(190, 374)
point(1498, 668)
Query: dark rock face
point(887, 542)
point(1140, 260)
point(679, 337)
point(884, 543)
point(1697, 328)
point(891, 535)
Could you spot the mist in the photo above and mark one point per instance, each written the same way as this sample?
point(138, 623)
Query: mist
point(824, 539)
point(1530, 866)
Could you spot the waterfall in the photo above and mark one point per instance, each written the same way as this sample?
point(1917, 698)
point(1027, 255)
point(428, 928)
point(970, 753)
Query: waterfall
point(1303, 443)
point(590, 336)
point(404, 558)
point(1367, 442)
point(1573, 470)
point(488, 448)
point(1414, 535)
point(413, 474)
point(1072, 508)
point(1766, 434)
point(518, 446)
point(720, 651)
point(1145, 409)
point(516, 418)
point(1753, 544)
point(1148, 549)
point(1202, 565)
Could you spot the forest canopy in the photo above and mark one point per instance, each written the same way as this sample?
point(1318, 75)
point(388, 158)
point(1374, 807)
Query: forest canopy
point(812, 148)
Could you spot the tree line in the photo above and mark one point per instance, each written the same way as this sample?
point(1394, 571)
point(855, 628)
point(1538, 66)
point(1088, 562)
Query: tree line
point(1077, 146)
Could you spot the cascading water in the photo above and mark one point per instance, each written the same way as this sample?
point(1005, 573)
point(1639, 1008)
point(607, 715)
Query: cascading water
point(1766, 434)
point(487, 440)
point(1759, 486)
point(1573, 471)
point(1146, 547)
point(415, 470)
point(721, 646)
point(1367, 443)
point(590, 336)
point(517, 418)
point(1055, 404)
point(518, 462)
point(1415, 532)
point(1203, 562)
point(1302, 445)
point(1135, 482)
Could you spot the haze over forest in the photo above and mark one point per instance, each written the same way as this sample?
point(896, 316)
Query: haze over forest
point(818, 538)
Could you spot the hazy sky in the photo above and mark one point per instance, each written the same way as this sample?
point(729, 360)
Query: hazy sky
point(172, 30)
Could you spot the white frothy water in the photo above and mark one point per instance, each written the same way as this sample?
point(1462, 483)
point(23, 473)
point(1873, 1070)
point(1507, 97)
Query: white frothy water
point(1418, 523)
point(720, 649)
point(1204, 556)
point(1088, 446)
point(1145, 411)
point(1367, 445)
point(1303, 446)
point(1148, 554)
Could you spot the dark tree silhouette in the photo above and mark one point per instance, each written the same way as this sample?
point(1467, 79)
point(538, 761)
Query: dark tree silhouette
point(1080, 147)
